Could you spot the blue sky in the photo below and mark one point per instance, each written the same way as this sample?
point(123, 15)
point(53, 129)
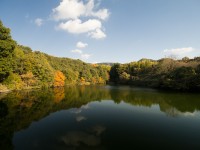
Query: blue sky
point(106, 30)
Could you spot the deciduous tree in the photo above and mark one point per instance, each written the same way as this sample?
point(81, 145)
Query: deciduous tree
point(59, 79)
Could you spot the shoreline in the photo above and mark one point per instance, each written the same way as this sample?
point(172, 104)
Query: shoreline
point(5, 91)
point(109, 83)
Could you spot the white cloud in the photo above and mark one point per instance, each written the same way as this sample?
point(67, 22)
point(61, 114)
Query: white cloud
point(179, 51)
point(81, 54)
point(97, 34)
point(102, 14)
point(85, 56)
point(71, 13)
point(39, 22)
point(81, 45)
point(77, 26)
point(89, 8)
point(69, 9)
point(74, 9)
point(77, 51)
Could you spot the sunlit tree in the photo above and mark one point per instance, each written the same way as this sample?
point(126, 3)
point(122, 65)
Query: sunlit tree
point(59, 79)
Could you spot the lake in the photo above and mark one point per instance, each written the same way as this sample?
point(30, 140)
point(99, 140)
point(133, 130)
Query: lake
point(99, 117)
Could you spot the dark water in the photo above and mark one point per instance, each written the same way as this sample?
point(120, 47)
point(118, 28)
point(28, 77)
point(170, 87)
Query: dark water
point(99, 117)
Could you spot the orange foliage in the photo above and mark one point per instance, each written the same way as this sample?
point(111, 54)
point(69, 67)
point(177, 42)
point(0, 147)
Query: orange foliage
point(82, 80)
point(95, 65)
point(59, 79)
point(94, 80)
point(59, 94)
point(101, 80)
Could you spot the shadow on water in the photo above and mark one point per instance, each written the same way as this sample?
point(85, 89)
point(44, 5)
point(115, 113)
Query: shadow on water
point(93, 117)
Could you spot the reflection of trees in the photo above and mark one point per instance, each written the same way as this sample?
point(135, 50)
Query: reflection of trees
point(59, 94)
point(19, 109)
point(2, 95)
point(5, 140)
point(3, 110)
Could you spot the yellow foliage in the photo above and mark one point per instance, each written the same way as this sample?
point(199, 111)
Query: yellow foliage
point(28, 78)
point(3, 88)
point(101, 80)
point(94, 80)
point(82, 80)
point(59, 79)
point(95, 65)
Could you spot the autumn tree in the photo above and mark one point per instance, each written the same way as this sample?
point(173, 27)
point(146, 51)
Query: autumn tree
point(101, 80)
point(59, 79)
point(82, 80)
point(28, 78)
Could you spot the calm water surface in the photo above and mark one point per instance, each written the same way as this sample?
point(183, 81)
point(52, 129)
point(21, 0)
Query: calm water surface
point(99, 117)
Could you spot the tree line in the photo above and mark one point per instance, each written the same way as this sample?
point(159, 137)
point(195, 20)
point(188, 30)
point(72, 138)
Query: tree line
point(166, 73)
point(23, 68)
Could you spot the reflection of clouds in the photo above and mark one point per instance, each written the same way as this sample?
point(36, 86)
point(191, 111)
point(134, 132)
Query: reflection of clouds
point(79, 110)
point(189, 114)
point(80, 118)
point(98, 130)
point(85, 107)
point(78, 138)
point(173, 112)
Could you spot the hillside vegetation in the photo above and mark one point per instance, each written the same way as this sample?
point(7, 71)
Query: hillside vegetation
point(165, 73)
point(23, 68)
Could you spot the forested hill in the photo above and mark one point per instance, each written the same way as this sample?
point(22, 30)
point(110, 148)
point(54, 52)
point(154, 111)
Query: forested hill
point(22, 68)
point(165, 73)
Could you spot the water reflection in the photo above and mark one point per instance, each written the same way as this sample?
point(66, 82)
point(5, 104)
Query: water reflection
point(79, 138)
point(83, 117)
point(80, 118)
point(74, 139)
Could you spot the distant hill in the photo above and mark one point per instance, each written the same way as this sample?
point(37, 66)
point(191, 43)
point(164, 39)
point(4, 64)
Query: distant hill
point(106, 63)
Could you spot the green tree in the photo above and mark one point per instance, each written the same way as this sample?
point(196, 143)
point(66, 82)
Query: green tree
point(124, 77)
point(114, 75)
point(183, 78)
point(7, 45)
point(185, 59)
point(13, 81)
